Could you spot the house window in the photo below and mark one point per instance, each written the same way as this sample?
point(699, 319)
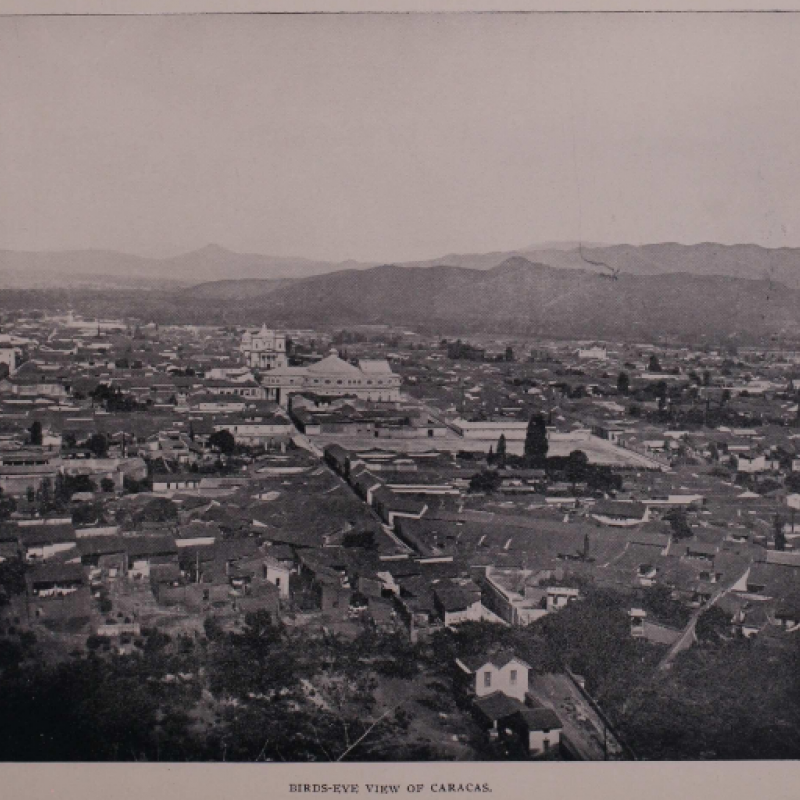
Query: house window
point(487, 679)
point(277, 581)
point(513, 677)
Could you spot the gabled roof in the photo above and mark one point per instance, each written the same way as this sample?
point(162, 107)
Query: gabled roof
point(178, 477)
point(165, 573)
point(150, 545)
point(497, 705)
point(32, 535)
point(47, 573)
point(101, 545)
point(540, 719)
point(374, 366)
point(199, 530)
point(235, 549)
point(281, 552)
point(785, 558)
point(702, 548)
point(498, 660)
point(619, 508)
point(649, 539)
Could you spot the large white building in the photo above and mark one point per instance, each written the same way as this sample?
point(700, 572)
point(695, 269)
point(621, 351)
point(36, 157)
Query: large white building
point(8, 356)
point(332, 377)
point(596, 353)
point(264, 349)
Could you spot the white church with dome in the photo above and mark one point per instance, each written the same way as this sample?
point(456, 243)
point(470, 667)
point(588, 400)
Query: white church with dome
point(372, 379)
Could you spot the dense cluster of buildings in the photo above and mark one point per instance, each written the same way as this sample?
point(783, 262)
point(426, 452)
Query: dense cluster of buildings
point(175, 473)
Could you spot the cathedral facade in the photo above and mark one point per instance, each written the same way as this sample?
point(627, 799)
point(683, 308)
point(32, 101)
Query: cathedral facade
point(264, 349)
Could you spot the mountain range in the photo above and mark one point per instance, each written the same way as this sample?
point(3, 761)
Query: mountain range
point(685, 291)
point(26, 269)
point(533, 298)
point(215, 263)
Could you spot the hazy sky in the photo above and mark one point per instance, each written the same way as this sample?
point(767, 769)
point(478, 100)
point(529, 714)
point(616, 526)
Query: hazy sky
point(397, 137)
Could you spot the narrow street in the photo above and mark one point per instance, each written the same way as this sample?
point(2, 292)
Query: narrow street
point(301, 440)
point(582, 726)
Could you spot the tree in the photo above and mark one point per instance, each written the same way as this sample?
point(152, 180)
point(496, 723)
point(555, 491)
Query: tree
point(223, 441)
point(98, 444)
point(35, 431)
point(501, 449)
point(45, 494)
point(654, 365)
point(132, 486)
point(8, 505)
point(159, 509)
point(87, 514)
point(213, 629)
point(780, 536)
point(536, 445)
point(577, 467)
point(485, 481)
point(68, 485)
point(623, 383)
point(12, 579)
point(713, 627)
point(679, 524)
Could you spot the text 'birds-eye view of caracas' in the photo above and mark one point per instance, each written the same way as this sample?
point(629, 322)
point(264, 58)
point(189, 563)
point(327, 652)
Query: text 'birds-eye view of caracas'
point(399, 388)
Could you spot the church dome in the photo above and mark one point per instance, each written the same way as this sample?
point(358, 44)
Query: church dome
point(333, 365)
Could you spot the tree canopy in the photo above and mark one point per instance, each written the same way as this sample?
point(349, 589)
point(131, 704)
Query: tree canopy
point(536, 445)
point(223, 441)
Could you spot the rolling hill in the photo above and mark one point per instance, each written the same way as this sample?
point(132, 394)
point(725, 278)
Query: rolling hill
point(517, 296)
point(528, 297)
point(243, 289)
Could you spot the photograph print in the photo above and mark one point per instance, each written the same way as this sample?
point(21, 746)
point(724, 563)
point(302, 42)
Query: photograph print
point(399, 387)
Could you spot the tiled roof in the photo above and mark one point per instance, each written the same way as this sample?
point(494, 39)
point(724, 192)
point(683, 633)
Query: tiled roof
point(498, 706)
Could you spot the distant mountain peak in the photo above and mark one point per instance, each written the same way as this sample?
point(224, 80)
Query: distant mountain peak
point(517, 263)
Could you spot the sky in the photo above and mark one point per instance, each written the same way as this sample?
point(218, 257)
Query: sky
point(397, 137)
